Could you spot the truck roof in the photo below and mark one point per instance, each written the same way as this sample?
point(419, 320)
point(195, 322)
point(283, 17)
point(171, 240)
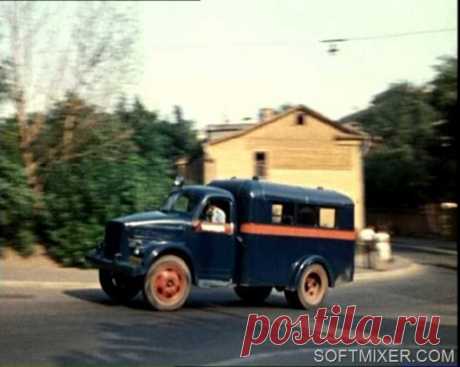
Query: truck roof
point(267, 190)
point(205, 190)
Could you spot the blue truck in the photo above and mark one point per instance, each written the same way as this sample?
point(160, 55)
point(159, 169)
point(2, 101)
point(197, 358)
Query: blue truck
point(298, 240)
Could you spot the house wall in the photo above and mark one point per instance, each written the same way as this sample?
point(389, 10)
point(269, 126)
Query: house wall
point(307, 155)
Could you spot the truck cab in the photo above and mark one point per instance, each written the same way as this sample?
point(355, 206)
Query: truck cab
point(267, 235)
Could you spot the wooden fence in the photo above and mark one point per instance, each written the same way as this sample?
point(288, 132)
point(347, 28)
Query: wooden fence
point(428, 221)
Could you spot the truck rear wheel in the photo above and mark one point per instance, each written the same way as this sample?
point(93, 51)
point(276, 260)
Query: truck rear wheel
point(167, 283)
point(118, 287)
point(311, 289)
point(253, 294)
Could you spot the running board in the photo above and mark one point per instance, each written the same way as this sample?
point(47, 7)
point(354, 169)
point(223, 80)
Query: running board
point(211, 283)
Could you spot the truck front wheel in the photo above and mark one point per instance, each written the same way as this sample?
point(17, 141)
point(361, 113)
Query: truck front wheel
point(311, 288)
point(167, 283)
point(118, 287)
point(253, 294)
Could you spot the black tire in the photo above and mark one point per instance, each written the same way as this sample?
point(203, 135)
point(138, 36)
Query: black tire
point(167, 284)
point(292, 299)
point(118, 287)
point(253, 295)
point(311, 289)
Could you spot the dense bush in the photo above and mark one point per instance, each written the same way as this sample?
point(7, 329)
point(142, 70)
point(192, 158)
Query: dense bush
point(136, 175)
point(93, 179)
point(16, 199)
point(81, 197)
point(16, 208)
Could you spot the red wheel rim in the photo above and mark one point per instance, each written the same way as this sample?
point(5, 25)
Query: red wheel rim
point(169, 283)
point(313, 288)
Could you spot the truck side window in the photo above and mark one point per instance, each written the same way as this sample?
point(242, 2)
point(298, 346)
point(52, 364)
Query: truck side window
point(307, 215)
point(182, 204)
point(283, 213)
point(277, 211)
point(327, 217)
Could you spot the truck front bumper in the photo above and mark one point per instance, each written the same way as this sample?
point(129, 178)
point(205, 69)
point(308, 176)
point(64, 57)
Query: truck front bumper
point(96, 257)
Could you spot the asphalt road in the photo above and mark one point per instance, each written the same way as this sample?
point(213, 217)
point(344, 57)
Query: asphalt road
point(81, 326)
point(424, 253)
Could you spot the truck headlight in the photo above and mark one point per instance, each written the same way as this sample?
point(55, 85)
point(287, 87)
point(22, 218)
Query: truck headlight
point(136, 245)
point(134, 242)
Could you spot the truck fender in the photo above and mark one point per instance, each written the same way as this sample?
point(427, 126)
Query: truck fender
point(178, 249)
point(298, 266)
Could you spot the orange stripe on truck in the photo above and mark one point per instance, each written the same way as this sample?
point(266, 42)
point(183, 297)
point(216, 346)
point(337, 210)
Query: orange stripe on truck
point(280, 230)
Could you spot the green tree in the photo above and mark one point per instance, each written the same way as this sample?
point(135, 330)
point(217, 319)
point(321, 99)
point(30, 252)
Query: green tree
point(81, 196)
point(398, 172)
point(444, 150)
point(90, 57)
point(86, 155)
point(16, 198)
point(159, 139)
point(92, 185)
point(4, 83)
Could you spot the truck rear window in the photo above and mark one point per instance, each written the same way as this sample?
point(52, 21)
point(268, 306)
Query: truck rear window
point(327, 217)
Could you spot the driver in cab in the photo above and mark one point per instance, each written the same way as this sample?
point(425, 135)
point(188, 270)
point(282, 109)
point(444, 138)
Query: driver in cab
point(215, 215)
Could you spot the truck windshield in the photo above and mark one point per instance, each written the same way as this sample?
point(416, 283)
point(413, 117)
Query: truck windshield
point(181, 202)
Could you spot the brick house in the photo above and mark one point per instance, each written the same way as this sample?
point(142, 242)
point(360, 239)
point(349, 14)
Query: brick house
point(298, 147)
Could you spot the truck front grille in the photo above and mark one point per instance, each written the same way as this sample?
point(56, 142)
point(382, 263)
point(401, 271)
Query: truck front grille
point(113, 238)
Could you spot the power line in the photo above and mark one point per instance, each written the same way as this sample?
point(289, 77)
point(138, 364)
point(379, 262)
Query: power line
point(404, 34)
point(334, 41)
point(294, 43)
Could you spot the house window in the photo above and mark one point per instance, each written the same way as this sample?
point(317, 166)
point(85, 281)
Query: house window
point(300, 119)
point(260, 164)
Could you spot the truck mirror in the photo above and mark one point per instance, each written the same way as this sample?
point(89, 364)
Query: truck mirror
point(178, 182)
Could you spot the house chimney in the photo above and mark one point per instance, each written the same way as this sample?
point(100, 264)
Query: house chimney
point(266, 114)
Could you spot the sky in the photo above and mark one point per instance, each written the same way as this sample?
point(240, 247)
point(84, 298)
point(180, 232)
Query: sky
point(223, 60)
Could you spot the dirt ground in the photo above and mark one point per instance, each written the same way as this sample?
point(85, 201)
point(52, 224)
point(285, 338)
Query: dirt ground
point(39, 257)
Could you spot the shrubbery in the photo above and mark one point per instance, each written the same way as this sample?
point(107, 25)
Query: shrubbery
point(16, 207)
point(81, 197)
point(95, 181)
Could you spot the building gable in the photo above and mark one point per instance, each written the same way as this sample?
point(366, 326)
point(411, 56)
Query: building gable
point(314, 125)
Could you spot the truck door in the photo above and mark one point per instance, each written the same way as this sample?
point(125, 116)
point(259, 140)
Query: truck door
point(213, 242)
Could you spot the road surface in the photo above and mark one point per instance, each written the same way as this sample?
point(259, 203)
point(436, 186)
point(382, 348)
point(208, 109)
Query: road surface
point(81, 326)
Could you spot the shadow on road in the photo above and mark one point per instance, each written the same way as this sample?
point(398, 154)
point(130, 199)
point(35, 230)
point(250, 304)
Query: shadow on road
point(209, 327)
point(198, 299)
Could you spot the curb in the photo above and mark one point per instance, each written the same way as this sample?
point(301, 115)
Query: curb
point(439, 251)
point(384, 274)
point(48, 284)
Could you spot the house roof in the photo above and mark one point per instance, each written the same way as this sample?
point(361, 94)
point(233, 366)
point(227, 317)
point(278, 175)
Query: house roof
point(352, 133)
point(228, 127)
